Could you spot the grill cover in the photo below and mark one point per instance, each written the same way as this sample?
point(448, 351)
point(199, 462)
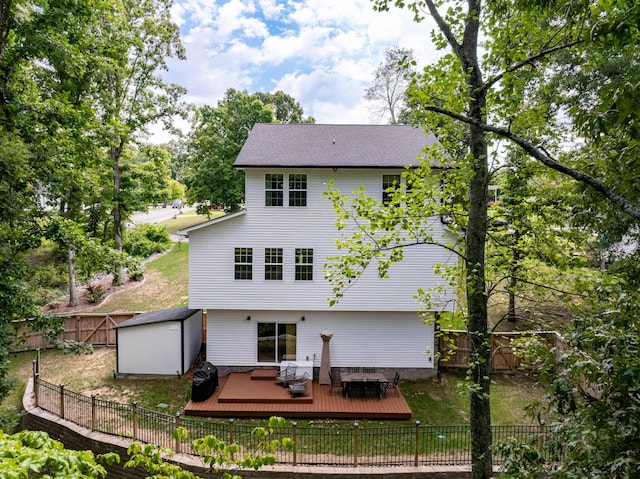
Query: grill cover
point(205, 382)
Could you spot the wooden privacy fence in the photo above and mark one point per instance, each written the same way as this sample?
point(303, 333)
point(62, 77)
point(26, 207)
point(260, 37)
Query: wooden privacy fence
point(91, 328)
point(454, 349)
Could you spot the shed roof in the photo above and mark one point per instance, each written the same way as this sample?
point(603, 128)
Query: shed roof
point(333, 146)
point(175, 314)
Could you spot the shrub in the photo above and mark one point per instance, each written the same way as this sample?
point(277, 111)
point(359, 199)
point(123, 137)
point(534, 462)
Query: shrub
point(94, 292)
point(146, 239)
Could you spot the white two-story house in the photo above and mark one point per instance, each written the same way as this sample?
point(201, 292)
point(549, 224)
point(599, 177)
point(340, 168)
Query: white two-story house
point(258, 272)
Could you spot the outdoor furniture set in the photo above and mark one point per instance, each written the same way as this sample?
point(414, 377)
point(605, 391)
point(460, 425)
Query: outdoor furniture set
point(362, 382)
point(297, 385)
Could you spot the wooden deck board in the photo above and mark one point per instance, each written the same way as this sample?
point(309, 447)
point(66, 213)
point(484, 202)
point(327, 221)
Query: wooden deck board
point(270, 402)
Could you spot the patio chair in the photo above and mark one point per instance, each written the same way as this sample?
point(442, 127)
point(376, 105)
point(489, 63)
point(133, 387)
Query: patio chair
point(393, 385)
point(372, 388)
point(298, 385)
point(335, 381)
point(286, 375)
point(300, 379)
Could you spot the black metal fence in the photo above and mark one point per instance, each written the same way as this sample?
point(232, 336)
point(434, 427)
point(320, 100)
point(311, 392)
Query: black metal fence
point(318, 445)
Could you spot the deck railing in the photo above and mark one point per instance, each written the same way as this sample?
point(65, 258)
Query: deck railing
point(317, 445)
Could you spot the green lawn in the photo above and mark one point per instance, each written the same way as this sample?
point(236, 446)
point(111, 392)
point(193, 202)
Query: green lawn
point(165, 285)
point(432, 402)
point(184, 220)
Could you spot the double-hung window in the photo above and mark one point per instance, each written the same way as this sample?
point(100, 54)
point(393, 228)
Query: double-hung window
point(389, 184)
point(274, 189)
point(243, 263)
point(304, 264)
point(273, 264)
point(298, 190)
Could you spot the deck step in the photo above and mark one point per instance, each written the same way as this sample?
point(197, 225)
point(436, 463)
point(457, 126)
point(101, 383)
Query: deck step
point(264, 374)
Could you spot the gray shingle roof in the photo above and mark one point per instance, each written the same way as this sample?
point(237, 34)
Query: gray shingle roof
point(319, 146)
point(175, 314)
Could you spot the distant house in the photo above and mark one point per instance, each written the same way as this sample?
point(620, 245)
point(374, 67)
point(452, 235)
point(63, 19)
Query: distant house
point(258, 272)
point(161, 342)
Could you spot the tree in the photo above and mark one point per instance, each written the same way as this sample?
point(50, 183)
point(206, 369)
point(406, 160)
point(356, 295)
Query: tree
point(388, 91)
point(138, 38)
point(461, 88)
point(42, 68)
point(152, 175)
point(530, 246)
point(19, 232)
point(217, 137)
point(35, 454)
point(285, 108)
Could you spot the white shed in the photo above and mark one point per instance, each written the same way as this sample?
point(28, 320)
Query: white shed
point(159, 342)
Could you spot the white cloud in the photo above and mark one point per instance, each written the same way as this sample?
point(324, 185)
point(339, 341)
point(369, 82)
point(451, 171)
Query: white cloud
point(321, 54)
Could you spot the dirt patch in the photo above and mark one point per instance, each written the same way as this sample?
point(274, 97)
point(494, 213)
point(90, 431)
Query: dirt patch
point(85, 304)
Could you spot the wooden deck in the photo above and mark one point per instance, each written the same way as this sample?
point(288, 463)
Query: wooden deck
point(238, 395)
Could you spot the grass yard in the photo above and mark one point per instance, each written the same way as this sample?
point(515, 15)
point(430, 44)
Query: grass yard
point(165, 285)
point(184, 220)
point(432, 402)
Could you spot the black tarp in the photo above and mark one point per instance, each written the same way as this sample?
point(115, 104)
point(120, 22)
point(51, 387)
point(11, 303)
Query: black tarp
point(205, 382)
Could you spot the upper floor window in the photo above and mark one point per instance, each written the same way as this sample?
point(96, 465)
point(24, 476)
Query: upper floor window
point(304, 264)
point(273, 189)
point(298, 190)
point(273, 264)
point(389, 183)
point(243, 263)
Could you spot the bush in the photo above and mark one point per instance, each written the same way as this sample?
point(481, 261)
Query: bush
point(146, 239)
point(94, 293)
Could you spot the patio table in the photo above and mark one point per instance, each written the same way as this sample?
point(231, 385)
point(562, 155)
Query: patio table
point(360, 381)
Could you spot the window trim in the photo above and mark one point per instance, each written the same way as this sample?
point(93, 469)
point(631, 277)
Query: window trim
point(270, 191)
point(243, 268)
point(303, 268)
point(293, 179)
point(271, 267)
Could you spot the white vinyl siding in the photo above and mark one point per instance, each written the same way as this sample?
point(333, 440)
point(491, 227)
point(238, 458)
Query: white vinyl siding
point(385, 340)
point(211, 284)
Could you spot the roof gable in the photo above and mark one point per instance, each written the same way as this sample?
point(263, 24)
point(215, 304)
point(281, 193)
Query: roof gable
point(333, 146)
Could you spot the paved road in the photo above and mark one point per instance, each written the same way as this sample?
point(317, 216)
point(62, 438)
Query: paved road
point(156, 216)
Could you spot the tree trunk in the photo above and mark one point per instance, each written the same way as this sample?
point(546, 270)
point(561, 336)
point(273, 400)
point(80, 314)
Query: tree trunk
point(513, 278)
point(73, 292)
point(480, 350)
point(118, 277)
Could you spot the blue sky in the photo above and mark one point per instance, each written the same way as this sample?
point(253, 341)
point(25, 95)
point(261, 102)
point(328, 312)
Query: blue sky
point(321, 52)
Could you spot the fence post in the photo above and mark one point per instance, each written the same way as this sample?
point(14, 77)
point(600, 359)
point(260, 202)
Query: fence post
point(36, 389)
point(355, 443)
point(178, 441)
point(294, 433)
point(231, 437)
point(62, 401)
point(541, 437)
point(134, 407)
point(93, 412)
point(415, 459)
